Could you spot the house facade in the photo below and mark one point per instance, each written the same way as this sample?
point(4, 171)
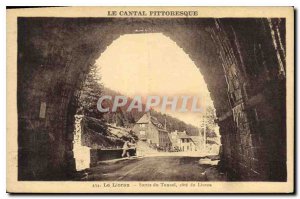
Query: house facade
point(150, 130)
point(183, 142)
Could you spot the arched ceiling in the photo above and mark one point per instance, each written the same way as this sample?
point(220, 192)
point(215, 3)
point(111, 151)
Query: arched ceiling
point(85, 39)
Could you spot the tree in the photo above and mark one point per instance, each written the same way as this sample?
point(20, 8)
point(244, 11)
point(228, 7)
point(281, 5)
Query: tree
point(90, 93)
point(210, 117)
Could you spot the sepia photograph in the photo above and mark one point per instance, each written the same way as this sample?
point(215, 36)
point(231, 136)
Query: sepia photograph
point(150, 100)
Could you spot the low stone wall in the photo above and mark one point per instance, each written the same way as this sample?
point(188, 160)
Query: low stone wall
point(107, 154)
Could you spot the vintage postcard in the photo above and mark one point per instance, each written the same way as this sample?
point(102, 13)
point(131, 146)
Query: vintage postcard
point(150, 100)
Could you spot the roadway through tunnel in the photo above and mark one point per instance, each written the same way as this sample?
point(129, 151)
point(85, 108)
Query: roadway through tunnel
point(159, 168)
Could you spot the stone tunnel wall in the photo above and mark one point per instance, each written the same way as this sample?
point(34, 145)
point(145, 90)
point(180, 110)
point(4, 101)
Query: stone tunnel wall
point(242, 61)
point(254, 146)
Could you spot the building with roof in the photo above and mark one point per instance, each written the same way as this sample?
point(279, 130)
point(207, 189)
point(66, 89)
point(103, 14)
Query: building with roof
point(183, 142)
point(149, 129)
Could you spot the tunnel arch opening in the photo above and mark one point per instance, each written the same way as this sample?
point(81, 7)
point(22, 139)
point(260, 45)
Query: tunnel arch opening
point(222, 49)
point(139, 66)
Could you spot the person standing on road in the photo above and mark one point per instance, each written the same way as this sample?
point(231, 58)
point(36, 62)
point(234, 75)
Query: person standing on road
point(125, 149)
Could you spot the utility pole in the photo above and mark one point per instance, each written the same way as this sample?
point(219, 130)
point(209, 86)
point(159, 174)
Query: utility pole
point(165, 125)
point(204, 132)
point(203, 124)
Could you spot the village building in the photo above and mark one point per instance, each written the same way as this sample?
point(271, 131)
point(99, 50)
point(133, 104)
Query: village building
point(149, 129)
point(183, 142)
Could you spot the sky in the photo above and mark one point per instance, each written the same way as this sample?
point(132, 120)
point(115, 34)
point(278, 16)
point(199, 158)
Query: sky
point(153, 64)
